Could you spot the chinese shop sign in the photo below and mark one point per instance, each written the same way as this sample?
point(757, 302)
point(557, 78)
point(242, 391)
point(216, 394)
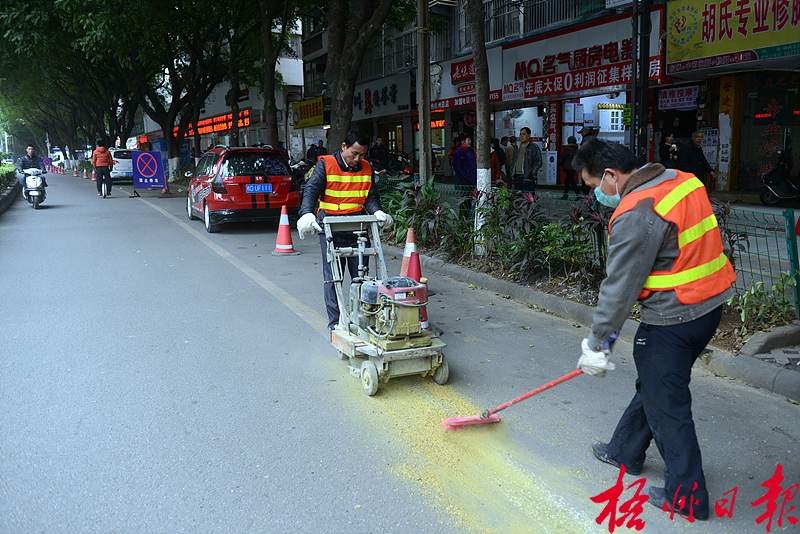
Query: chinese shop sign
point(308, 113)
point(704, 34)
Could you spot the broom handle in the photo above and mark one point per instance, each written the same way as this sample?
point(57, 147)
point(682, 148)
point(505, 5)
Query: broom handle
point(530, 394)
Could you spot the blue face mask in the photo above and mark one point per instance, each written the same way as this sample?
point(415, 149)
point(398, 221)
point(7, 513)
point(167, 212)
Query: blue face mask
point(606, 200)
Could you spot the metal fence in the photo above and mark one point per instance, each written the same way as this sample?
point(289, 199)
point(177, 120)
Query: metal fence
point(764, 244)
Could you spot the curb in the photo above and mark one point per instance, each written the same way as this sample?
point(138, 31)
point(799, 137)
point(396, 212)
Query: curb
point(754, 372)
point(8, 198)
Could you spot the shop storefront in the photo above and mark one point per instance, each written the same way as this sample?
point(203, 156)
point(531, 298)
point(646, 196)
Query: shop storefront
point(743, 60)
point(554, 84)
point(384, 107)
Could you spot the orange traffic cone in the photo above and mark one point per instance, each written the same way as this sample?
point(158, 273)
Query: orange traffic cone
point(411, 246)
point(284, 245)
point(84, 174)
point(75, 172)
point(415, 272)
point(94, 176)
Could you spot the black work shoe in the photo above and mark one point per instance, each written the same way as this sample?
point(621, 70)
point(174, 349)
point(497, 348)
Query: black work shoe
point(600, 451)
point(658, 498)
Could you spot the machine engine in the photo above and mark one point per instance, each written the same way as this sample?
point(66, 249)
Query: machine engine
point(390, 308)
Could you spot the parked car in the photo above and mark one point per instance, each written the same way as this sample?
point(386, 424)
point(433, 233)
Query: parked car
point(123, 164)
point(241, 184)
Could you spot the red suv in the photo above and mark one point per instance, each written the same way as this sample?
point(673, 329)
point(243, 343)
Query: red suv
point(241, 184)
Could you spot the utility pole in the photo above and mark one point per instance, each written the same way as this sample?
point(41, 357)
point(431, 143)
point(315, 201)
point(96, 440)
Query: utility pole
point(644, 81)
point(424, 91)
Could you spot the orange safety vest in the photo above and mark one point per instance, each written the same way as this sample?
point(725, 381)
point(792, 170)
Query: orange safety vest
point(701, 270)
point(345, 192)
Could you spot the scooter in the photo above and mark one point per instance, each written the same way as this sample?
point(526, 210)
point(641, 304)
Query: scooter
point(34, 191)
point(777, 183)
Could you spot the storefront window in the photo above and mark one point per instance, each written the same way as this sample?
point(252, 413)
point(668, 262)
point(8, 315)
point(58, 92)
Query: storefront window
point(771, 116)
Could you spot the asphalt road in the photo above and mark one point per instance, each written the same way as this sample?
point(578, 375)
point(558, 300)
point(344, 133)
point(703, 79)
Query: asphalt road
point(155, 378)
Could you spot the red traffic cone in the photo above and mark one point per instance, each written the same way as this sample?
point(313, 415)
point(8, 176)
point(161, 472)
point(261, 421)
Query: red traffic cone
point(284, 245)
point(75, 172)
point(411, 246)
point(415, 272)
point(94, 176)
point(84, 174)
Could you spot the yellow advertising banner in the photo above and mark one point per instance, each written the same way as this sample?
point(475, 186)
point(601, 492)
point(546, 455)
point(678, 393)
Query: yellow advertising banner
point(308, 113)
point(703, 34)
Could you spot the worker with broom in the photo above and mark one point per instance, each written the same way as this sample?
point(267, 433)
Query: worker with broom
point(342, 183)
point(665, 252)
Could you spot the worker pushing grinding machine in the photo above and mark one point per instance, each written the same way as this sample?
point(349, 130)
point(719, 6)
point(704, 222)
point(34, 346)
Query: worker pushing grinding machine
point(343, 184)
point(665, 251)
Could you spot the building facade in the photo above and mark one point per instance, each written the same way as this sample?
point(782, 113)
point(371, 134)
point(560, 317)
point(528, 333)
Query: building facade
point(727, 67)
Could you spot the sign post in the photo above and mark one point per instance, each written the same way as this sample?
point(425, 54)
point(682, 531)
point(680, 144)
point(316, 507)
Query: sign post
point(148, 171)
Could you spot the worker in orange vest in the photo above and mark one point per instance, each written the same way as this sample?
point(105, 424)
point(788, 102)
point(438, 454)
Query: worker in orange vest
point(666, 253)
point(342, 183)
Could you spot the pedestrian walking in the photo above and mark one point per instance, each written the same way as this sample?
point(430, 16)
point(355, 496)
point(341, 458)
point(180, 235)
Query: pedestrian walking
point(509, 164)
point(668, 151)
point(103, 164)
point(342, 183)
point(665, 252)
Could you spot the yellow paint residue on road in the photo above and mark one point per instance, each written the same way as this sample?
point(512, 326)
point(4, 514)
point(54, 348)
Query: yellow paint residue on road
point(476, 474)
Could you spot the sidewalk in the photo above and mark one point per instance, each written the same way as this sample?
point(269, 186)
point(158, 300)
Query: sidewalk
point(755, 364)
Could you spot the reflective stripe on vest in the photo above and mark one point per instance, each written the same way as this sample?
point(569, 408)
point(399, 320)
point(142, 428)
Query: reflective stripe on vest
point(345, 192)
point(701, 269)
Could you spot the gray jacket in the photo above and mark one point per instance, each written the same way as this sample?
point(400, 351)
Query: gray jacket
point(532, 163)
point(640, 242)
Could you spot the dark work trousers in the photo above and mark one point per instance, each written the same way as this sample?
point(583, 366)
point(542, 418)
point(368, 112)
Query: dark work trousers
point(661, 409)
point(103, 173)
point(331, 304)
point(569, 182)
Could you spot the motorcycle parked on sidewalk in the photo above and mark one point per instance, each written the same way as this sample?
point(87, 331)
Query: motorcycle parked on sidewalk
point(34, 191)
point(777, 184)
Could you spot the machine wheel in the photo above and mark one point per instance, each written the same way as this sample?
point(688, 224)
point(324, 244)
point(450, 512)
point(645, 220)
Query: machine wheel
point(768, 198)
point(442, 374)
point(36, 202)
point(210, 227)
point(189, 211)
point(369, 378)
point(342, 356)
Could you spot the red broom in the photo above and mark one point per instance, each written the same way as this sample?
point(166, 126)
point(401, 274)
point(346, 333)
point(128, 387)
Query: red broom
point(489, 415)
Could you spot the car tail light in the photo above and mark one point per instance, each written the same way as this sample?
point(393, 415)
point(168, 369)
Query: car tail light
point(218, 185)
point(116, 162)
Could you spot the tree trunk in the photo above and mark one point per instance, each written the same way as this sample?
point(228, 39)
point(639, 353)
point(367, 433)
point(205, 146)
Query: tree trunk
point(346, 47)
point(233, 75)
point(269, 12)
point(483, 142)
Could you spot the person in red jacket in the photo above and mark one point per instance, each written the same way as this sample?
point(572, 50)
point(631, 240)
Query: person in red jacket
point(103, 164)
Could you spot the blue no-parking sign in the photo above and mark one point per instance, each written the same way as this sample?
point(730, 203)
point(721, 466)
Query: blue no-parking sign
point(148, 171)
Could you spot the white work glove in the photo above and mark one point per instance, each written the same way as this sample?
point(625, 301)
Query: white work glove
point(384, 218)
point(594, 362)
point(307, 225)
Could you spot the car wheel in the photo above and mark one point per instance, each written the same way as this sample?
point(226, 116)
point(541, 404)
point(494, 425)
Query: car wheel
point(189, 211)
point(210, 227)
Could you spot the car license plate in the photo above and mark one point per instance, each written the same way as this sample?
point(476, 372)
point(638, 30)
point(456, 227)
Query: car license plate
point(258, 188)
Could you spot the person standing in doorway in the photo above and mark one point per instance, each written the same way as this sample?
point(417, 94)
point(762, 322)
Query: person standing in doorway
point(103, 164)
point(668, 151)
point(527, 162)
point(379, 155)
point(567, 153)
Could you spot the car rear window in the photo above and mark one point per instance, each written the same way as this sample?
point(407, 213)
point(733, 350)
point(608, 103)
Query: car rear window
point(122, 154)
point(254, 164)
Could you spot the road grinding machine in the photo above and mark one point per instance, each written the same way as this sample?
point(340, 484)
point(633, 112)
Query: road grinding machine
point(379, 332)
